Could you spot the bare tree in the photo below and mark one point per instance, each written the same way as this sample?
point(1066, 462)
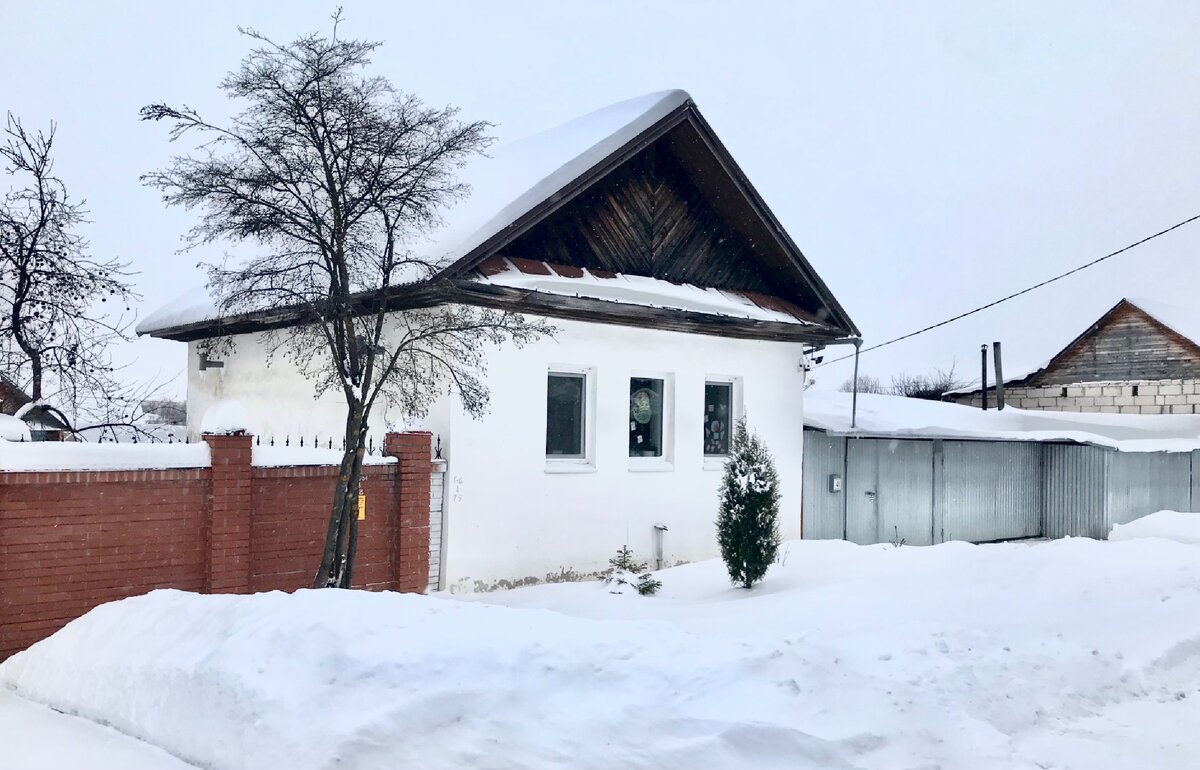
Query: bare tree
point(866, 384)
point(61, 308)
point(330, 172)
point(926, 386)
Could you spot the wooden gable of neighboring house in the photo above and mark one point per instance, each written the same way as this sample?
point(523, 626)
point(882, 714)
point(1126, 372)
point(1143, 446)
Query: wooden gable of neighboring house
point(1126, 344)
point(42, 420)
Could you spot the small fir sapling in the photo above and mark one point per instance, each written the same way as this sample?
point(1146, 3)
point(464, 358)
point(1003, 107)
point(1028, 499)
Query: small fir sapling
point(624, 570)
point(748, 519)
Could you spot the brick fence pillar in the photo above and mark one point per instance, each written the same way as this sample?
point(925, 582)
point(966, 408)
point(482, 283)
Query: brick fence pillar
point(229, 514)
point(414, 450)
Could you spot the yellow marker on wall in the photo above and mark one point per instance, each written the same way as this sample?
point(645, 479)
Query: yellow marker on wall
point(362, 507)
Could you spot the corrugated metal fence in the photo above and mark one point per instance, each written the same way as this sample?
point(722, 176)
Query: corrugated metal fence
point(873, 489)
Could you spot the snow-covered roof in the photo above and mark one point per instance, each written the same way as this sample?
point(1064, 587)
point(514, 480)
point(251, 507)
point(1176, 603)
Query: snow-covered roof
point(192, 306)
point(521, 174)
point(634, 290)
point(504, 185)
point(13, 428)
point(902, 417)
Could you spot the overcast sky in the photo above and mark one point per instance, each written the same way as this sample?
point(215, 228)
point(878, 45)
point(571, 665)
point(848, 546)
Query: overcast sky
point(926, 157)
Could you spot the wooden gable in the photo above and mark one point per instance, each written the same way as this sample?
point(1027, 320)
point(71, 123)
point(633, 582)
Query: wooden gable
point(672, 204)
point(647, 218)
point(1125, 344)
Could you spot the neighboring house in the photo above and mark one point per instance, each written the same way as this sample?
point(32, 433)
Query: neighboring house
point(1141, 357)
point(164, 412)
point(43, 424)
point(681, 305)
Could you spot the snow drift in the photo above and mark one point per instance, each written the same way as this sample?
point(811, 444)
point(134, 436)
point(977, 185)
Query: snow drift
point(1168, 525)
point(1071, 653)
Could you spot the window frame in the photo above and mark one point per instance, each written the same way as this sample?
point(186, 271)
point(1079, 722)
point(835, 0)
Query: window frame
point(665, 461)
point(585, 463)
point(736, 410)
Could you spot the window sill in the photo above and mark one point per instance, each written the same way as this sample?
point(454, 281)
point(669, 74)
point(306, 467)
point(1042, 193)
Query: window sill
point(715, 463)
point(570, 466)
point(645, 465)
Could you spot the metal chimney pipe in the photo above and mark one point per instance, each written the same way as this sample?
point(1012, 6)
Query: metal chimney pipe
point(999, 377)
point(983, 376)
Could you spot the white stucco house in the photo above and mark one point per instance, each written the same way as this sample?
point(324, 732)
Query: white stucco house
point(680, 302)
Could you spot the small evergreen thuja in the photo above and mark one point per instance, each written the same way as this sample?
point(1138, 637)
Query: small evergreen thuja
point(625, 570)
point(748, 520)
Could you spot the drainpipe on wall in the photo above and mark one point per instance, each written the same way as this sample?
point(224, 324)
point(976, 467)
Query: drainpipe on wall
point(854, 386)
point(857, 343)
point(659, 529)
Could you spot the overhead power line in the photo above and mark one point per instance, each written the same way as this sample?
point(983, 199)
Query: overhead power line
point(1014, 295)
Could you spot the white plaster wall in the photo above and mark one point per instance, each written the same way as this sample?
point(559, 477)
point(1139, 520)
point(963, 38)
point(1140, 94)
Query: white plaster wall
point(508, 519)
point(279, 401)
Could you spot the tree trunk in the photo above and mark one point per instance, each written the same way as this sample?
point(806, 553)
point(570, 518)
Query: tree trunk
point(337, 557)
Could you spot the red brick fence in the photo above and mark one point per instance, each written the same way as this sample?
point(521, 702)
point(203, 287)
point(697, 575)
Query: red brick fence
point(70, 540)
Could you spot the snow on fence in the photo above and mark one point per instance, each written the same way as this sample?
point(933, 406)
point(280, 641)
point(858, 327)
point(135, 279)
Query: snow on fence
point(83, 524)
point(77, 456)
point(878, 489)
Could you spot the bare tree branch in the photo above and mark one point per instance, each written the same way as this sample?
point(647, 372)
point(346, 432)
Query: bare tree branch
point(329, 172)
point(61, 308)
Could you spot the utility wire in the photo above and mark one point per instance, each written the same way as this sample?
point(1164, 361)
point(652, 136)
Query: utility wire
point(1014, 295)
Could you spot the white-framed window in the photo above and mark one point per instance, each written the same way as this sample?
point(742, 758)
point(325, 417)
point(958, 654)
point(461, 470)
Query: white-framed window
point(722, 410)
point(651, 418)
point(570, 413)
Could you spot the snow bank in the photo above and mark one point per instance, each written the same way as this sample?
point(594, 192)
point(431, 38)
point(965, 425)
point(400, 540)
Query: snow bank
point(225, 416)
point(72, 456)
point(1069, 653)
point(34, 737)
point(13, 429)
point(1169, 525)
point(918, 418)
point(279, 456)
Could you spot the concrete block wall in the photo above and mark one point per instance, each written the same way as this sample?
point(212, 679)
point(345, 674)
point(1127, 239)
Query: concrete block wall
point(1135, 397)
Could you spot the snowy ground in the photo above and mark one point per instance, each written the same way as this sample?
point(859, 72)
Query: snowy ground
point(1064, 654)
point(33, 737)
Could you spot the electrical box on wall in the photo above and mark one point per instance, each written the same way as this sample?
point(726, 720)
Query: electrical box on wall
point(835, 482)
